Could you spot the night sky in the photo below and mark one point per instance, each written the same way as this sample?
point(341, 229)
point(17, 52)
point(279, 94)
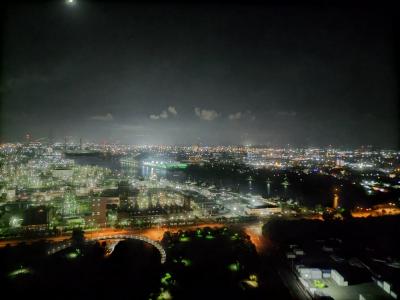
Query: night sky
point(304, 75)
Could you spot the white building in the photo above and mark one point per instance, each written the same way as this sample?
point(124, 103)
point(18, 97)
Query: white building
point(338, 278)
point(262, 210)
point(309, 273)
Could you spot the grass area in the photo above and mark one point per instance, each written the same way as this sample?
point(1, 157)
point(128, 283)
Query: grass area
point(210, 262)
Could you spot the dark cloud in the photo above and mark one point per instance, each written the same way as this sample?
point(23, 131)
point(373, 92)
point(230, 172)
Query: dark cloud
point(106, 118)
point(206, 114)
point(231, 74)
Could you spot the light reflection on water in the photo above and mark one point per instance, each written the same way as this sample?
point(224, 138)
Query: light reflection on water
point(273, 186)
point(240, 185)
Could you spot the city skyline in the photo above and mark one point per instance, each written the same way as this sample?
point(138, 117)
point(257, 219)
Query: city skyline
point(200, 150)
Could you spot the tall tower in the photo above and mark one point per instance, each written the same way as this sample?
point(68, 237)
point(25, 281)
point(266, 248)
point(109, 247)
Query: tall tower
point(28, 138)
point(70, 204)
point(335, 203)
point(186, 202)
point(149, 202)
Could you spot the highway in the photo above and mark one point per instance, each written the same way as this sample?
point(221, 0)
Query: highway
point(155, 234)
point(253, 230)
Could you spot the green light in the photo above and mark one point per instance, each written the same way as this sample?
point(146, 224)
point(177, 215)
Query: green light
point(164, 295)
point(184, 239)
point(72, 255)
point(166, 278)
point(199, 233)
point(209, 236)
point(252, 282)
point(319, 284)
point(176, 166)
point(166, 165)
point(186, 262)
point(253, 277)
point(15, 221)
point(234, 267)
point(20, 271)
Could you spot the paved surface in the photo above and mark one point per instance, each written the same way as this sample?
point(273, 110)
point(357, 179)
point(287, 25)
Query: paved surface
point(155, 234)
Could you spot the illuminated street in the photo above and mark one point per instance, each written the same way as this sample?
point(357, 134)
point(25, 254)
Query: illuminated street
point(192, 150)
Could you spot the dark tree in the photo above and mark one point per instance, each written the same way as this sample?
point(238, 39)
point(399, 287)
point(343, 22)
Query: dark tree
point(78, 237)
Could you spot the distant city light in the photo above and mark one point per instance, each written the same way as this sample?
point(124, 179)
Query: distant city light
point(15, 222)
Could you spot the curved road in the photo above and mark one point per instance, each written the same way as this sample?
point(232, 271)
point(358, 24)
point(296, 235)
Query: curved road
point(56, 247)
point(155, 234)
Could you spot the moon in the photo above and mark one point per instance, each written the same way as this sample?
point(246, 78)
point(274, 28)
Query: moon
point(70, 2)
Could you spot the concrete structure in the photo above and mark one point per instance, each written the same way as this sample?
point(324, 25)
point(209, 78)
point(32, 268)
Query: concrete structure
point(338, 278)
point(309, 273)
point(67, 243)
point(387, 287)
point(99, 210)
point(10, 194)
point(290, 255)
point(262, 210)
point(298, 251)
point(63, 174)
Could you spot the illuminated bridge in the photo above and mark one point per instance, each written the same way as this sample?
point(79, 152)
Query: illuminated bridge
point(67, 243)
